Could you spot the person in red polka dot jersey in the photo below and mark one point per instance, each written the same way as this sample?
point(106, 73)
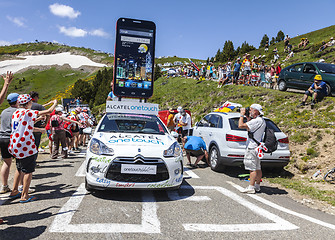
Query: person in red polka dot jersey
point(22, 144)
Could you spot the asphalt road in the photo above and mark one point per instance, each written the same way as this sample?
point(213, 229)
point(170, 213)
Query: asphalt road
point(207, 206)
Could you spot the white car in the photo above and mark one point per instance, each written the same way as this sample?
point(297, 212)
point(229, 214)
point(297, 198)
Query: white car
point(226, 142)
point(133, 151)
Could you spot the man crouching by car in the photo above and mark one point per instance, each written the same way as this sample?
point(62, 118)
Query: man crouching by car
point(256, 126)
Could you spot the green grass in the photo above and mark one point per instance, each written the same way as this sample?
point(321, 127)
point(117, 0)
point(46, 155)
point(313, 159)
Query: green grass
point(299, 186)
point(307, 55)
point(47, 83)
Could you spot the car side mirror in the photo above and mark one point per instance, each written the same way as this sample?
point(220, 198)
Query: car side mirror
point(174, 134)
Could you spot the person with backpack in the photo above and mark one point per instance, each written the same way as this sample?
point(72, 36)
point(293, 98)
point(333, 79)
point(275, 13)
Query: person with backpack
point(256, 126)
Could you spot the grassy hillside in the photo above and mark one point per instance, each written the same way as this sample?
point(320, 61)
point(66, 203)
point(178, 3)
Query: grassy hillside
point(48, 83)
point(307, 54)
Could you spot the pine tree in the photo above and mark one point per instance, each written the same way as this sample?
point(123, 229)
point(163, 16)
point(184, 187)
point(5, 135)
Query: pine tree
point(280, 36)
point(264, 40)
point(273, 41)
point(82, 89)
point(228, 51)
point(157, 72)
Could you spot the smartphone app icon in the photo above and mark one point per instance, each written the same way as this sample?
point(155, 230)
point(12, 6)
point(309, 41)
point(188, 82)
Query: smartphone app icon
point(128, 84)
point(139, 85)
point(121, 84)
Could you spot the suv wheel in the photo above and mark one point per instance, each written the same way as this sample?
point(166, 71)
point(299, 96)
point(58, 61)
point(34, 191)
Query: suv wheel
point(282, 85)
point(214, 159)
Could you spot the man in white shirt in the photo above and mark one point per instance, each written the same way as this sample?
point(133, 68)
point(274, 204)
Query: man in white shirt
point(256, 126)
point(185, 122)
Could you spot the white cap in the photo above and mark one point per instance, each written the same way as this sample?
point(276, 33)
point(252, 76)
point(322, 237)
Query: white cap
point(258, 108)
point(179, 108)
point(59, 108)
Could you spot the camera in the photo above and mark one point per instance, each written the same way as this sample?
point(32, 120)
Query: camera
point(247, 111)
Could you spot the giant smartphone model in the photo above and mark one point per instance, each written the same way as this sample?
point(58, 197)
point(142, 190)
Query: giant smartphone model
point(134, 58)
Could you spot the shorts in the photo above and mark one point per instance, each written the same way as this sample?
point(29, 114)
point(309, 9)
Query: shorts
point(195, 153)
point(4, 143)
point(246, 72)
point(81, 131)
point(251, 161)
point(320, 95)
point(68, 134)
point(37, 136)
point(26, 165)
point(76, 129)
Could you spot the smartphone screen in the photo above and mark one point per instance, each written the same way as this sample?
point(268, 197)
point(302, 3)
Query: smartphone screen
point(134, 58)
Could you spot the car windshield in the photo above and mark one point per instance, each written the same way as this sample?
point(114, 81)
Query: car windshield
point(234, 124)
point(131, 123)
point(326, 68)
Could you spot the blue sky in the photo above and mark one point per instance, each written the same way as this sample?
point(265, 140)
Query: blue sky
point(194, 29)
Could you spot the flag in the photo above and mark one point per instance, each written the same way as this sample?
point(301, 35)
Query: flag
point(227, 107)
point(195, 66)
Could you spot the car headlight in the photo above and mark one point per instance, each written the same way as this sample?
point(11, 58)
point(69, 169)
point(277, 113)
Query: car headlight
point(99, 148)
point(173, 151)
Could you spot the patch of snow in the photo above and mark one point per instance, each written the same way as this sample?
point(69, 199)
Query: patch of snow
point(75, 61)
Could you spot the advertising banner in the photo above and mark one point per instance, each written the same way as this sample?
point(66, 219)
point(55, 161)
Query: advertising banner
point(132, 107)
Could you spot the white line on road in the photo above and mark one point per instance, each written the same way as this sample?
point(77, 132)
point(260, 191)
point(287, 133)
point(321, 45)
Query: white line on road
point(62, 222)
point(81, 170)
point(279, 223)
point(190, 173)
point(273, 205)
point(174, 196)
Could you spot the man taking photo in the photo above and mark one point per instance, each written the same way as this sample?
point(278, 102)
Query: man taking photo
point(255, 126)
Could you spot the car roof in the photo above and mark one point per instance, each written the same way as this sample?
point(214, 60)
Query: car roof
point(228, 114)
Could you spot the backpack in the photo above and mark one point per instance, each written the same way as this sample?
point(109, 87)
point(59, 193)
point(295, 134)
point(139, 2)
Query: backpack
point(269, 139)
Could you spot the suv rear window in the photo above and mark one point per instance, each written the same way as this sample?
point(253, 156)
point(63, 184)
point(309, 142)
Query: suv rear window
point(233, 122)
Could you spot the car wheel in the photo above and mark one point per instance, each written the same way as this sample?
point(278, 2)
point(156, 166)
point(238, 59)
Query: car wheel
point(214, 155)
point(329, 89)
point(88, 187)
point(282, 85)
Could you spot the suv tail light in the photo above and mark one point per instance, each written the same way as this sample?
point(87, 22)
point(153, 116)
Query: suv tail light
point(233, 138)
point(283, 140)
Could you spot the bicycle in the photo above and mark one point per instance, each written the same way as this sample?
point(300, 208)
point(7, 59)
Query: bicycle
point(330, 176)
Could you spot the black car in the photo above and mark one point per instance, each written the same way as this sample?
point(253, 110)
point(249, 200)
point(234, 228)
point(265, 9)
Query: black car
point(301, 76)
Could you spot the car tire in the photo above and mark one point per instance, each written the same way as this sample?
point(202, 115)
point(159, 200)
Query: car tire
point(88, 187)
point(282, 86)
point(214, 159)
point(329, 90)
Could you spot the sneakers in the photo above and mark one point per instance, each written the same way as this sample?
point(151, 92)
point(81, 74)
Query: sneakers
point(249, 189)
point(312, 104)
point(20, 188)
point(257, 187)
point(4, 189)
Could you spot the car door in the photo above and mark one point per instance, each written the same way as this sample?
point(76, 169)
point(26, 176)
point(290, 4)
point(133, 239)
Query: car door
point(215, 124)
point(202, 128)
point(307, 76)
point(292, 76)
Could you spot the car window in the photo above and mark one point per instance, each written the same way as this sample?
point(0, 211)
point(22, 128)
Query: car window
point(204, 122)
point(214, 121)
point(309, 68)
point(233, 122)
point(296, 68)
point(131, 123)
point(326, 68)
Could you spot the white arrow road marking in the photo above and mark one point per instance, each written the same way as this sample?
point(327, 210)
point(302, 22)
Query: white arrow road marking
point(62, 222)
point(271, 204)
point(279, 223)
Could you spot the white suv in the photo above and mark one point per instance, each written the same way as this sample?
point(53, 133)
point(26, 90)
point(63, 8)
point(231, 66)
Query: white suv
point(226, 142)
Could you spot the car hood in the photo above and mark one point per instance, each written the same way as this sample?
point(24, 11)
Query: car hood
point(128, 144)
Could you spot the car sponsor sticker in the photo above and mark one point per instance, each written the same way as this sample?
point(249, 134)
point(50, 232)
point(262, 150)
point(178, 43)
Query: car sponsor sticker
point(138, 169)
